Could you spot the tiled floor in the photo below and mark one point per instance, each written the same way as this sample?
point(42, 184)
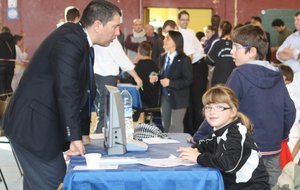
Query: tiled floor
point(9, 168)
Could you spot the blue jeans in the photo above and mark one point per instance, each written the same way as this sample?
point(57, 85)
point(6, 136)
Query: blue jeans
point(272, 164)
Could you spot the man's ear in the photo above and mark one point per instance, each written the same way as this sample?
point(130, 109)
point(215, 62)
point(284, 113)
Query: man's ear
point(98, 26)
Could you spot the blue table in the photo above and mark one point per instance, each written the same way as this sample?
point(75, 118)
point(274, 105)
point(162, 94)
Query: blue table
point(140, 177)
point(136, 97)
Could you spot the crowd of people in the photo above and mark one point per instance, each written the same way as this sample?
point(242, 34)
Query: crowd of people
point(218, 85)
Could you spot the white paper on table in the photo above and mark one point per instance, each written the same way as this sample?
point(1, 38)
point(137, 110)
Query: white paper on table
point(166, 162)
point(105, 167)
point(157, 140)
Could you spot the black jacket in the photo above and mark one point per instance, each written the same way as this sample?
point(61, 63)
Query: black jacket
point(7, 49)
point(181, 77)
point(51, 104)
point(232, 150)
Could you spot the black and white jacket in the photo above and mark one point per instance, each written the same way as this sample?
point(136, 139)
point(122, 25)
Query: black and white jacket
point(233, 151)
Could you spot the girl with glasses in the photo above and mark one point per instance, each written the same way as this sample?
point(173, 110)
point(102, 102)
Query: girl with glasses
point(231, 148)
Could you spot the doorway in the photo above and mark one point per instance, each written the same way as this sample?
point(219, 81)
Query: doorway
point(199, 18)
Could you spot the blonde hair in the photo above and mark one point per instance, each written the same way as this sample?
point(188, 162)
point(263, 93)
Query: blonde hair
point(222, 94)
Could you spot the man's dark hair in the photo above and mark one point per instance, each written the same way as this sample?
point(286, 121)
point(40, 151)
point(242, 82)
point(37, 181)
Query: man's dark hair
point(184, 12)
point(277, 22)
point(17, 38)
point(100, 10)
point(170, 23)
point(5, 29)
point(297, 13)
point(256, 18)
point(72, 14)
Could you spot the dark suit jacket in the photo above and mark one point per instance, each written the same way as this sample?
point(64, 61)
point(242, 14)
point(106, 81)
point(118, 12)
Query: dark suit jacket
point(181, 77)
point(7, 49)
point(50, 105)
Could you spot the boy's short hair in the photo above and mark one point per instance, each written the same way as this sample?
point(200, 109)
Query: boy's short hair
point(252, 36)
point(277, 22)
point(286, 71)
point(145, 48)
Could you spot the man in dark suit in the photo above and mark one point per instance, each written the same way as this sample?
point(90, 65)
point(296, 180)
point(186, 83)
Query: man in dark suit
point(52, 103)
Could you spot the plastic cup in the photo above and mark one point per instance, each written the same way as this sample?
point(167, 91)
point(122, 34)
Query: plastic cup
point(93, 160)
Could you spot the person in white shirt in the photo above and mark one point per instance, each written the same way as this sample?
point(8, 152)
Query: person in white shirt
point(289, 50)
point(108, 61)
point(21, 56)
point(193, 49)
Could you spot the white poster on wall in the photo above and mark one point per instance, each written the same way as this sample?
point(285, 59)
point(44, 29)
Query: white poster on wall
point(12, 3)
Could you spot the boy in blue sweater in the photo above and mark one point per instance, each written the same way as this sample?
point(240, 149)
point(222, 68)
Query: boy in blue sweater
point(262, 94)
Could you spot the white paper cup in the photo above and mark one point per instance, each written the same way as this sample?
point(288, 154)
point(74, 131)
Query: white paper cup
point(93, 160)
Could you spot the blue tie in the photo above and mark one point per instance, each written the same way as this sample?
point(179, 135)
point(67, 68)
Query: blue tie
point(165, 91)
point(167, 68)
point(91, 68)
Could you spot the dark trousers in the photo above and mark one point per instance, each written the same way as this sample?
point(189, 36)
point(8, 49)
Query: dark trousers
point(6, 76)
point(193, 117)
point(101, 81)
point(39, 173)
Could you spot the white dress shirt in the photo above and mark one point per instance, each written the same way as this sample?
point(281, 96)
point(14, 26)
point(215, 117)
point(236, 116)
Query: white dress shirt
point(191, 45)
point(109, 59)
point(291, 42)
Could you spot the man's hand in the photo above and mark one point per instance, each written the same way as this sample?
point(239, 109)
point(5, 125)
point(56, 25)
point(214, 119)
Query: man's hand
point(286, 54)
point(138, 81)
point(165, 82)
point(76, 148)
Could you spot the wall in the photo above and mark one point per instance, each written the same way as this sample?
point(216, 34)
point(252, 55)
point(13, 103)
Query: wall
point(39, 17)
point(199, 17)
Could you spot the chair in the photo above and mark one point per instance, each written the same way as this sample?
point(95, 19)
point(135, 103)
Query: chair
point(2, 179)
point(153, 116)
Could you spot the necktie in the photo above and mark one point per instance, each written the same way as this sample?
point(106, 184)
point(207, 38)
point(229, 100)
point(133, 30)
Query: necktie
point(91, 77)
point(165, 91)
point(167, 68)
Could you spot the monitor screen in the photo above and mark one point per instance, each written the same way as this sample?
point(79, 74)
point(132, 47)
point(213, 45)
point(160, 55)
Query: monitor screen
point(114, 124)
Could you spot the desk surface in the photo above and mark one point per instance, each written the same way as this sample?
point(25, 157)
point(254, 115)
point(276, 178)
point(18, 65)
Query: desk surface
point(140, 177)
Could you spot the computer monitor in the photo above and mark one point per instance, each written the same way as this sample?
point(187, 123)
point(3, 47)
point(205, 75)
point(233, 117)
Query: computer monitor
point(114, 122)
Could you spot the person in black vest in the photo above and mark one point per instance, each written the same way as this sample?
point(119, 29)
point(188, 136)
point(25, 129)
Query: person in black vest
point(7, 62)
